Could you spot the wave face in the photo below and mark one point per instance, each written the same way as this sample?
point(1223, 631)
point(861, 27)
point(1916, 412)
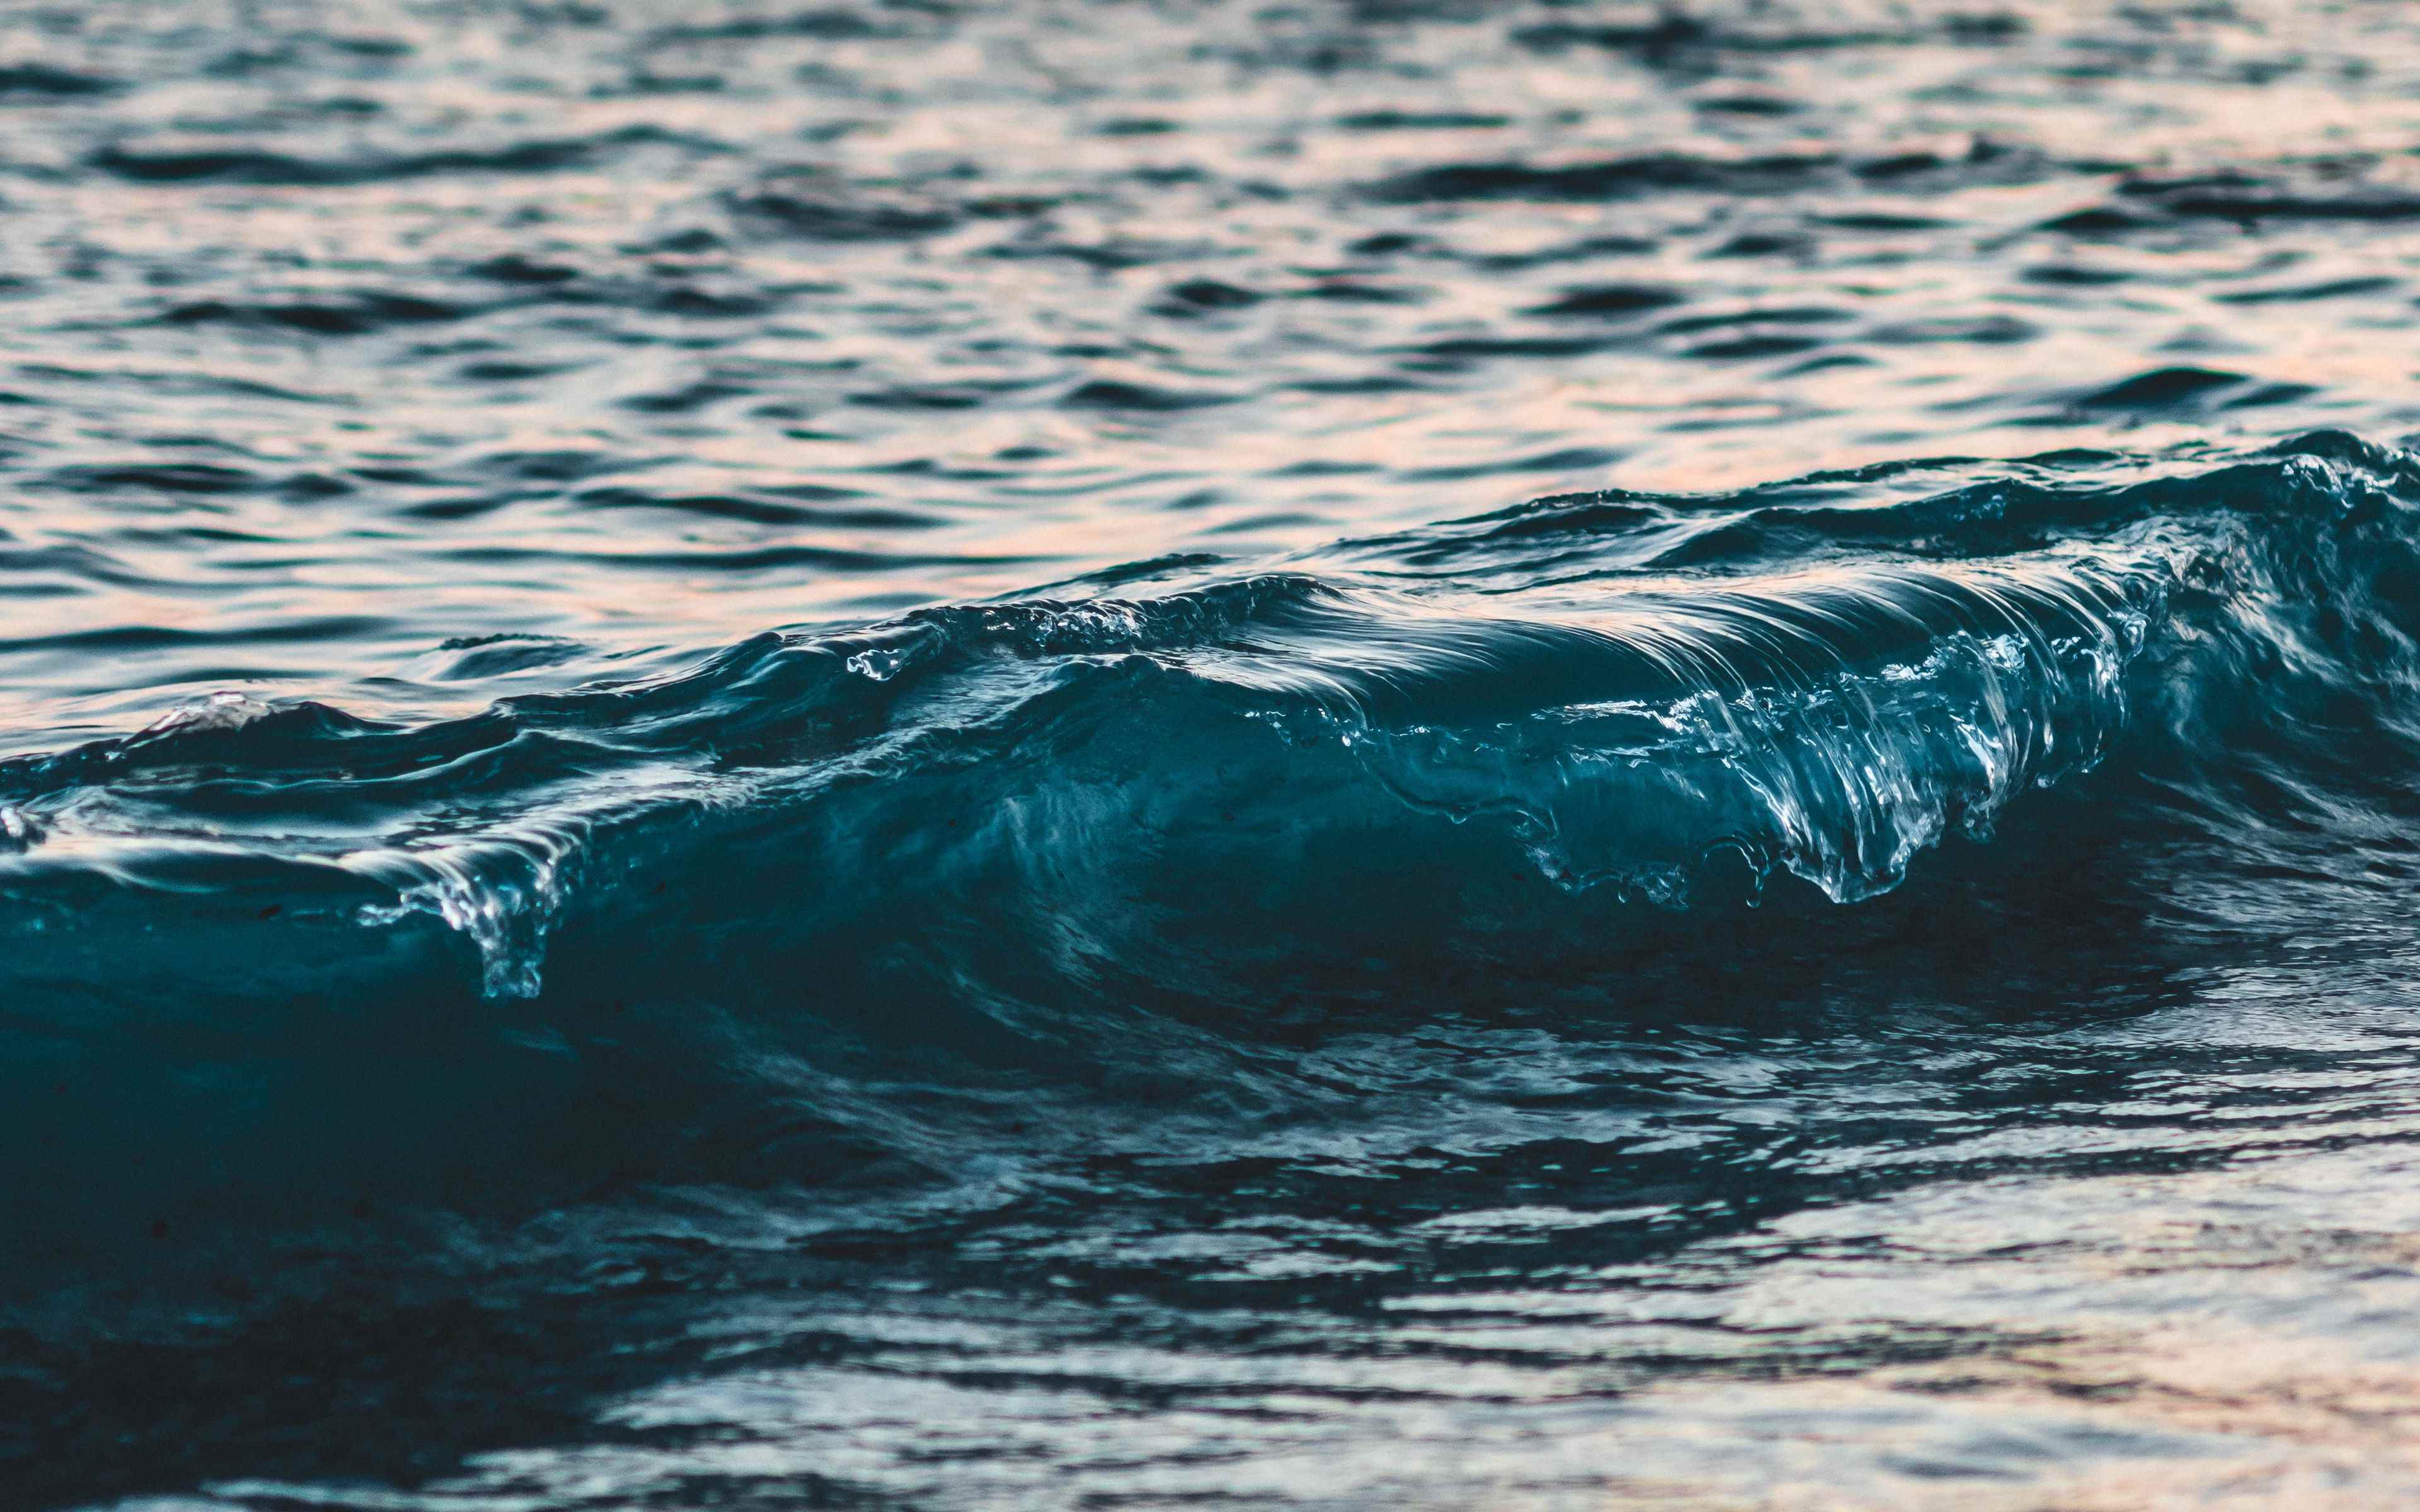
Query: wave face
point(1832, 723)
point(1543, 733)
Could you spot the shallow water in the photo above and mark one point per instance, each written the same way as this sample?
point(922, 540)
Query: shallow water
point(1083, 754)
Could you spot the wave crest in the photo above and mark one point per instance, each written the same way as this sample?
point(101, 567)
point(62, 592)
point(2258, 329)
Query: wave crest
point(1545, 674)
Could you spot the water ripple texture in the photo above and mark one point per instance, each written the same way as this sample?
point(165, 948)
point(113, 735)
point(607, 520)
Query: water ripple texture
point(1264, 752)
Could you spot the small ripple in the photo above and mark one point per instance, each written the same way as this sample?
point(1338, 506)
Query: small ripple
point(498, 656)
point(192, 478)
point(1610, 299)
point(1120, 395)
point(1989, 330)
point(1615, 178)
point(266, 168)
point(515, 268)
point(2335, 288)
point(1196, 296)
point(831, 24)
point(1442, 121)
point(821, 209)
point(1462, 349)
point(2237, 197)
point(41, 81)
point(356, 314)
point(758, 509)
point(2166, 388)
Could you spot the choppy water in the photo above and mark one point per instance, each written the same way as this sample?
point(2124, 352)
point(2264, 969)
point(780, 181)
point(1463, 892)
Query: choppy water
point(1086, 754)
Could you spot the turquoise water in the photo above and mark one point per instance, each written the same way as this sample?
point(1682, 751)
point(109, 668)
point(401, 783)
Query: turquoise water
point(1142, 754)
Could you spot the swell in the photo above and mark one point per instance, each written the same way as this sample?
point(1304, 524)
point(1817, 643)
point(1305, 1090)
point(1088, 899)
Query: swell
point(1830, 724)
point(600, 928)
point(1652, 691)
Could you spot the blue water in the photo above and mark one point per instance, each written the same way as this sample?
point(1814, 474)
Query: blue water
point(1330, 754)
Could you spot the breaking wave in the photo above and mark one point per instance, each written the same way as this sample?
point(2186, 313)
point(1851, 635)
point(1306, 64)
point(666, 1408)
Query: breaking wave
point(1519, 734)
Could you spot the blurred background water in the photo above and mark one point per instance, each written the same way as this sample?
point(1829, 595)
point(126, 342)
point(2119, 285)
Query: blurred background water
point(1235, 753)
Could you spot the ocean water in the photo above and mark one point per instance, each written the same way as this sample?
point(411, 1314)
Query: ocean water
point(1251, 753)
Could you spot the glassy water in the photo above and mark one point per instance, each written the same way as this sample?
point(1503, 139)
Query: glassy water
point(1126, 754)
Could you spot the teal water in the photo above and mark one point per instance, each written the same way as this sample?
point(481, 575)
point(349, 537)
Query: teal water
point(1094, 754)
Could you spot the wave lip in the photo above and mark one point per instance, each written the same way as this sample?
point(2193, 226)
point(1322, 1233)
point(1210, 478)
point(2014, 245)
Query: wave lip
point(1833, 726)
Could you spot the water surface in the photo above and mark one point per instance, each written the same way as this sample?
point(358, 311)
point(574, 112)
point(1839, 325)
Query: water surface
point(1102, 754)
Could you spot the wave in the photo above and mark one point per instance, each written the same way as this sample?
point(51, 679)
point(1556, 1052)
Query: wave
point(1511, 738)
point(1618, 724)
point(1833, 724)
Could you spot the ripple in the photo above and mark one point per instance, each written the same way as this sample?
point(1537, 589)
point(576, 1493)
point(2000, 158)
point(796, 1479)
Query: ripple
point(1605, 181)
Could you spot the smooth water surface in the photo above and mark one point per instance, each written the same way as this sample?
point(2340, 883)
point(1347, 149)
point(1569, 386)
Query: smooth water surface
point(1089, 754)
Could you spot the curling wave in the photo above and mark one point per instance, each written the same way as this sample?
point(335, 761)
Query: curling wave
point(1833, 724)
point(984, 822)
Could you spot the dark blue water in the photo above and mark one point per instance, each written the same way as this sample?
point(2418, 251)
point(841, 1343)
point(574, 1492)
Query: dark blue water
point(1084, 754)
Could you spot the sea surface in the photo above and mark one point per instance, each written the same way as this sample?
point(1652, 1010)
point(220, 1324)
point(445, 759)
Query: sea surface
point(1333, 753)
